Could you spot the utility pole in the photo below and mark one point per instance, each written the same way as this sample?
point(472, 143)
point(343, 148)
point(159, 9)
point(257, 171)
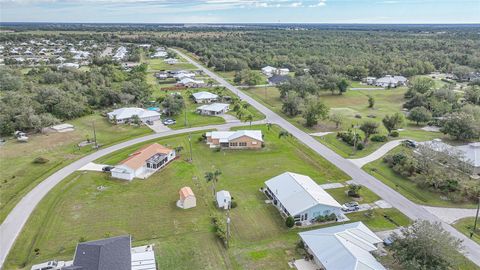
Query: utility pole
point(190, 142)
point(476, 218)
point(94, 135)
point(228, 226)
point(185, 109)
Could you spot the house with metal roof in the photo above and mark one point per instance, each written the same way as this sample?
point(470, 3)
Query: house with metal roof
point(213, 109)
point(204, 97)
point(302, 198)
point(124, 115)
point(144, 162)
point(391, 81)
point(345, 247)
point(240, 139)
point(224, 199)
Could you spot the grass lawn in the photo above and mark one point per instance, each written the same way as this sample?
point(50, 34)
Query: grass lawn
point(183, 239)
point(230, 75)
point(357, 84)
point(465, 226)
point(408, 188)
point(19, 173)
point(340, 194)
point(157, 64)
point(380, 219)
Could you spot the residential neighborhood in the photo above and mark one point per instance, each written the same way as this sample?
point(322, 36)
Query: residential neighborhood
point(218, 145)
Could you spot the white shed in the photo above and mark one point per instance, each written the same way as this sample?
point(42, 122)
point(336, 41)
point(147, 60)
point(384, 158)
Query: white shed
point(224, 199)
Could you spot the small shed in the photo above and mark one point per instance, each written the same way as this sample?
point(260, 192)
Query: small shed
point(187, 198)
point(224, 199)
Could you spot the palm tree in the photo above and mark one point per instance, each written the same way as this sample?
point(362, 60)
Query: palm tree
point(269, 126)
point(240, 113)
point(213, 177)
point(249, 118)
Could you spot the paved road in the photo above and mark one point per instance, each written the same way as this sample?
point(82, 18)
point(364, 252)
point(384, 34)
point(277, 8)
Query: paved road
point(16, 219)
point(450, 215)
point(412, 210)
point(380, 152)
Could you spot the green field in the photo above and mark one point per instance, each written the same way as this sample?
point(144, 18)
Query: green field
point(19, 173)
point(183, 239)
point(158, 64)
point(406, 187)
point(465, 226)
point(230, 75)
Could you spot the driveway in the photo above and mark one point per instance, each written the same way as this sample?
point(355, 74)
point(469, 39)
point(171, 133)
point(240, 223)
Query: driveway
point(413, 211)
point(230, 118)
point(380, 152)
point(158, 126)
point(450, 215)
point(94, 167)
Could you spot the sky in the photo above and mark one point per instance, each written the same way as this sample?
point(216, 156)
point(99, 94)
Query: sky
point(241, 11)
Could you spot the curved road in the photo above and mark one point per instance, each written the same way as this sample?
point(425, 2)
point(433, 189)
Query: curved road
point(13, 224)
point(16, 219)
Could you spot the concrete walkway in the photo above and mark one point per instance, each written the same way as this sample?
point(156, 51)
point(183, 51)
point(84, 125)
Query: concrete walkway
point(380, 152)
point(320, 134)
point(230, 118)
point(450, 215)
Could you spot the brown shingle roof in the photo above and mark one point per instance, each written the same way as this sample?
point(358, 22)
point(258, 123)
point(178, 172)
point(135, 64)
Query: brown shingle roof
point(137, 159)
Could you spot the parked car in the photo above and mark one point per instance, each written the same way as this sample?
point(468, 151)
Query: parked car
point(388, 241)
point(107, 168)
point(350, 207)
point(411, 143)
point(169, 122)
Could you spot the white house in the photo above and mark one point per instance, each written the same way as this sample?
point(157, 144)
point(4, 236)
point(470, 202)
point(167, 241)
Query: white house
point(189, 82)
point(468, 153)
point(391, 81)
point(124, 115)
point(144, 162)
point(343, 247)
point(171, 61)
point(68, 65)
point(369, 80)
point(282, 71)
point(224, 199)
point(269, 71)
point(302, 198)
point(183, 74)
point(120, 53)
point(204, 97)
point(213, 109)
point(187, 198)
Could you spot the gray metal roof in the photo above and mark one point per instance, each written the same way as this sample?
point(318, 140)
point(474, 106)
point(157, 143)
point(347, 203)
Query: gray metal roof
point(104, 254)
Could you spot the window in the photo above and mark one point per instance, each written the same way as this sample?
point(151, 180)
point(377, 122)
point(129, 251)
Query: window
point(254, 142)
point(233, 144)
point(242, 144)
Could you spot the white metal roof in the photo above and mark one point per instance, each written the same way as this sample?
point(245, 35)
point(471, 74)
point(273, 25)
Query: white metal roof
point(345, 247)
point(204, 95)
point(298, 192)
point(143, 258)
point(214, 107)
point(126, 113)
point(223, 198)
point(231, 135)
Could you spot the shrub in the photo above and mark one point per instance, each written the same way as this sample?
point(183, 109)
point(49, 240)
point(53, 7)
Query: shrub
point(379, 138)
point(326, 218)
point(394, 134)
point(289, 222)
point(40, 160)
point(360, 146)
point(233, 204)
point(349, 137)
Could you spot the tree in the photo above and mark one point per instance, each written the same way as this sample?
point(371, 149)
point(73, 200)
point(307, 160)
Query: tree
point(353, 190)
point(314, 109)
point(289, 222)
point(213, 178)
point(426, 246)
point(283, 133)
point(136, 120)
point(371, 101)
point(342, 85)
point(369, 128)
point(337, 118)
point(420, 85)
point(419, 115)
point(291, 104)
point(248, 118)
point(472, 95)
point(461, 126)
point(394, 121)
point(173, 105)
